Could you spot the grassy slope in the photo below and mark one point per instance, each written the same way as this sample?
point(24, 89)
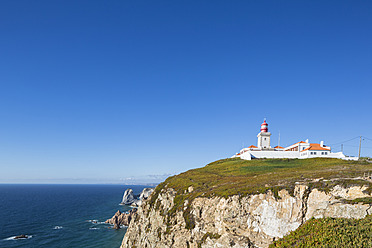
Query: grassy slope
point(241, 177)
point(235, 176)
point(329, 232)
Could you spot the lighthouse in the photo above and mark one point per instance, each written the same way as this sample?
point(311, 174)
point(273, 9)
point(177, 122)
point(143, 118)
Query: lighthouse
point(263, 142)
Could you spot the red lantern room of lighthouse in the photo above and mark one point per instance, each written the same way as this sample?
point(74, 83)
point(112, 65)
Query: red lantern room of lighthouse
point(264, 127)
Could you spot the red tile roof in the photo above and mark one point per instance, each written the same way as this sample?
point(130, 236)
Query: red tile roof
point(316, 147)
point(252, 146)
point(297, 143)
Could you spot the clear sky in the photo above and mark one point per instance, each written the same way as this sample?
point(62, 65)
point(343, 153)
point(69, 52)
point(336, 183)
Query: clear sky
point(130, 91)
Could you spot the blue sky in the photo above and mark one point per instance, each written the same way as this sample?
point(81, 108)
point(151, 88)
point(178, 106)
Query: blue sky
point(131, 91)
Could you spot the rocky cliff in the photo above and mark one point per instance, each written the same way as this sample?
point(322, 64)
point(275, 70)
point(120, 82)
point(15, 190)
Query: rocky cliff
point(191, 218)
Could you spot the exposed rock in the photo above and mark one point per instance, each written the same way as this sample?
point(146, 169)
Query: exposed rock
point(349, 193)
point(190, 189)
point(122, 218)
point(23, 236)
point(128, 197)
point(146, 192)
point(136, 203)
point(321, 204)
point(250, 221)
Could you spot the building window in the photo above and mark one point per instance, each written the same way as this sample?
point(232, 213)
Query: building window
point(325, 153)
point(314, 153)
point(264, 138)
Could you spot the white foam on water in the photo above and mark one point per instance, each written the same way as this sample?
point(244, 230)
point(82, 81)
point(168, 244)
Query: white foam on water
point(94, 228)
point(96, 222)
point(57, 227)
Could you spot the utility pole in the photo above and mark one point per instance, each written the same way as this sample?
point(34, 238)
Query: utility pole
point(360, 145)
point(342, 148)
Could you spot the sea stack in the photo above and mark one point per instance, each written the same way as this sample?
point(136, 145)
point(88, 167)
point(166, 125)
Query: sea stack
point(128, 197)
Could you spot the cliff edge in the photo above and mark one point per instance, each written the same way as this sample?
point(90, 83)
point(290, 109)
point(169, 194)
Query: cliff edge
point(239, 203)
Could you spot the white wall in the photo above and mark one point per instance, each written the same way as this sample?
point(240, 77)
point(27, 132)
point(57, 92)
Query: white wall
point(270, 154)
point(248, 155)
point(263, 140)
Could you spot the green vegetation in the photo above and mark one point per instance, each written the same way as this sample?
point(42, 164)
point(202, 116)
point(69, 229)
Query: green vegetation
point(208, 235)
point(366, 158)
point(229, 177)
point(364, 200)
point(159, 233)
point(330, 232)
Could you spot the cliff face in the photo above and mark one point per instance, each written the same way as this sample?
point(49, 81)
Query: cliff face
point(251, 221)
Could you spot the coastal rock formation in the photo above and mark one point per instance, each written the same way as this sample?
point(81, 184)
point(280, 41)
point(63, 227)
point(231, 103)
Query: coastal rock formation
point(128, 197)
point(251, 221)
point(120, 218)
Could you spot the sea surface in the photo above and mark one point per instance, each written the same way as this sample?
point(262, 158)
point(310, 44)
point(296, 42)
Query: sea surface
point(61, 215)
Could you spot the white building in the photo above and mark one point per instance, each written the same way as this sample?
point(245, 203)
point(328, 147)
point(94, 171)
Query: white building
point(301, 150)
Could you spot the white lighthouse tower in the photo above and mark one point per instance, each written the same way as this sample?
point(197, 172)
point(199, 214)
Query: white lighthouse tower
point(263, 142)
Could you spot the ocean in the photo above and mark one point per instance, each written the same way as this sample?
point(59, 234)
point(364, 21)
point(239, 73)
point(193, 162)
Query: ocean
point(61, 215)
